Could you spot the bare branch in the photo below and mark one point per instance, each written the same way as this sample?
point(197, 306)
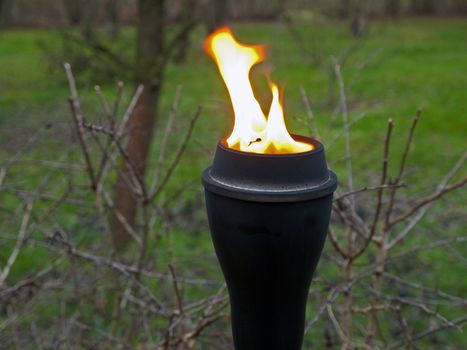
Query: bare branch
point(458, 322)
point(178, 156)
point(128, 161)
point(104, 103)
point(183, 31)
point(345, 120)
point(335, 243)
point(441, 190)
point(419, 305)
point(310, 114)
point(120, 86)
point(31, 140)
point(19, 242)
point(379, 203)
point(2, 176)
point(118, 134)
point(78, 120)
point(368, 188)
point(92, 42)
point(457, 300)
point(165, 138)
point(354, 121)
point(420, 209)
point(392, 194)
point(176, 289)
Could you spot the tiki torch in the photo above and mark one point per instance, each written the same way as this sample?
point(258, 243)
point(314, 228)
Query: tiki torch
point(268, 198)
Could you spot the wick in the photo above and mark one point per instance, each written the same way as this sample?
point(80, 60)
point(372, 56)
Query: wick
point(257, 140)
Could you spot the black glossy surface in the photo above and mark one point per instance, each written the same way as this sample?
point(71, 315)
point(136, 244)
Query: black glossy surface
point(268, 216)
point(268, 253)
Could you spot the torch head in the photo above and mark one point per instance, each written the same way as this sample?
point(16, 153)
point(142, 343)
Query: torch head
point(270, 177)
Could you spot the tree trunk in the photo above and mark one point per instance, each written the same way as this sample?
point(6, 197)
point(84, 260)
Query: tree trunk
point(393, 7)
point(218, 13)
point(460, 6)
point(343, 9)
point(149, 69)
point(358, 18)
point(113, 18)
point(75, 10)
point(423, 7)
point(88, 18)
point(187, 15)
point(6, 12)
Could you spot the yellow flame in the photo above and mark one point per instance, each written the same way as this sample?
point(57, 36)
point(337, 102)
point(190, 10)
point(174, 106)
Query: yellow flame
point(252, 132)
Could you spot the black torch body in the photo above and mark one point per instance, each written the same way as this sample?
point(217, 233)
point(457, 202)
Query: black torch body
point(268, 216)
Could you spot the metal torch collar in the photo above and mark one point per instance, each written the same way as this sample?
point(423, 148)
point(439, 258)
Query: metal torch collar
point(270, 177)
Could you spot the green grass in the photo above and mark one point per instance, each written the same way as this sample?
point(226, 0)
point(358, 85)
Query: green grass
point(409, 64)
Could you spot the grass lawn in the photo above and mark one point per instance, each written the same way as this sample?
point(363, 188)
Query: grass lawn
point(397, 68)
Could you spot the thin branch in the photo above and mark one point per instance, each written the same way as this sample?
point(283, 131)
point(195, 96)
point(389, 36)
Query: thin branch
point(122, 344)
point(392, 194)
point(370, 308)
point(118, 134)
point(457, 300)
point(72, 84)
point(115, 141)
point(104, 103)
point(345, 120)
point(59, 239)
point(335, 243)
point(310, 114)
point(379, 203)
point(350, 218)
point(165, 138)
point(354, 121)
point(2, 176)
point(337, 326)
point(429, 246)
point(440, 191)
point(418, 305)
point(20, 150)
point(174, 42)
point(176, 289)
point(129, 111)
point(178, 156)
point(405, 327)
point(333, 295)
point(13, 290)
point(78, 120)
point(19, 242)
point(459, 322)
point(118, 98)
point(121, 218)
point(92, 42)
point(420, 209)
point(368, 188)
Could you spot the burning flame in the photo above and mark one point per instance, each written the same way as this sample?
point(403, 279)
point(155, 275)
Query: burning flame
point(252, 132)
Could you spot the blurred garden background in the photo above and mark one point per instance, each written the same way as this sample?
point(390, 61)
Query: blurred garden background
point(110, 110)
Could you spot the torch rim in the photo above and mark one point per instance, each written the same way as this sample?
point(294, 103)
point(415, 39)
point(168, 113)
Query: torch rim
point(323, 189)
point(265, 177)
point(317, 147)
